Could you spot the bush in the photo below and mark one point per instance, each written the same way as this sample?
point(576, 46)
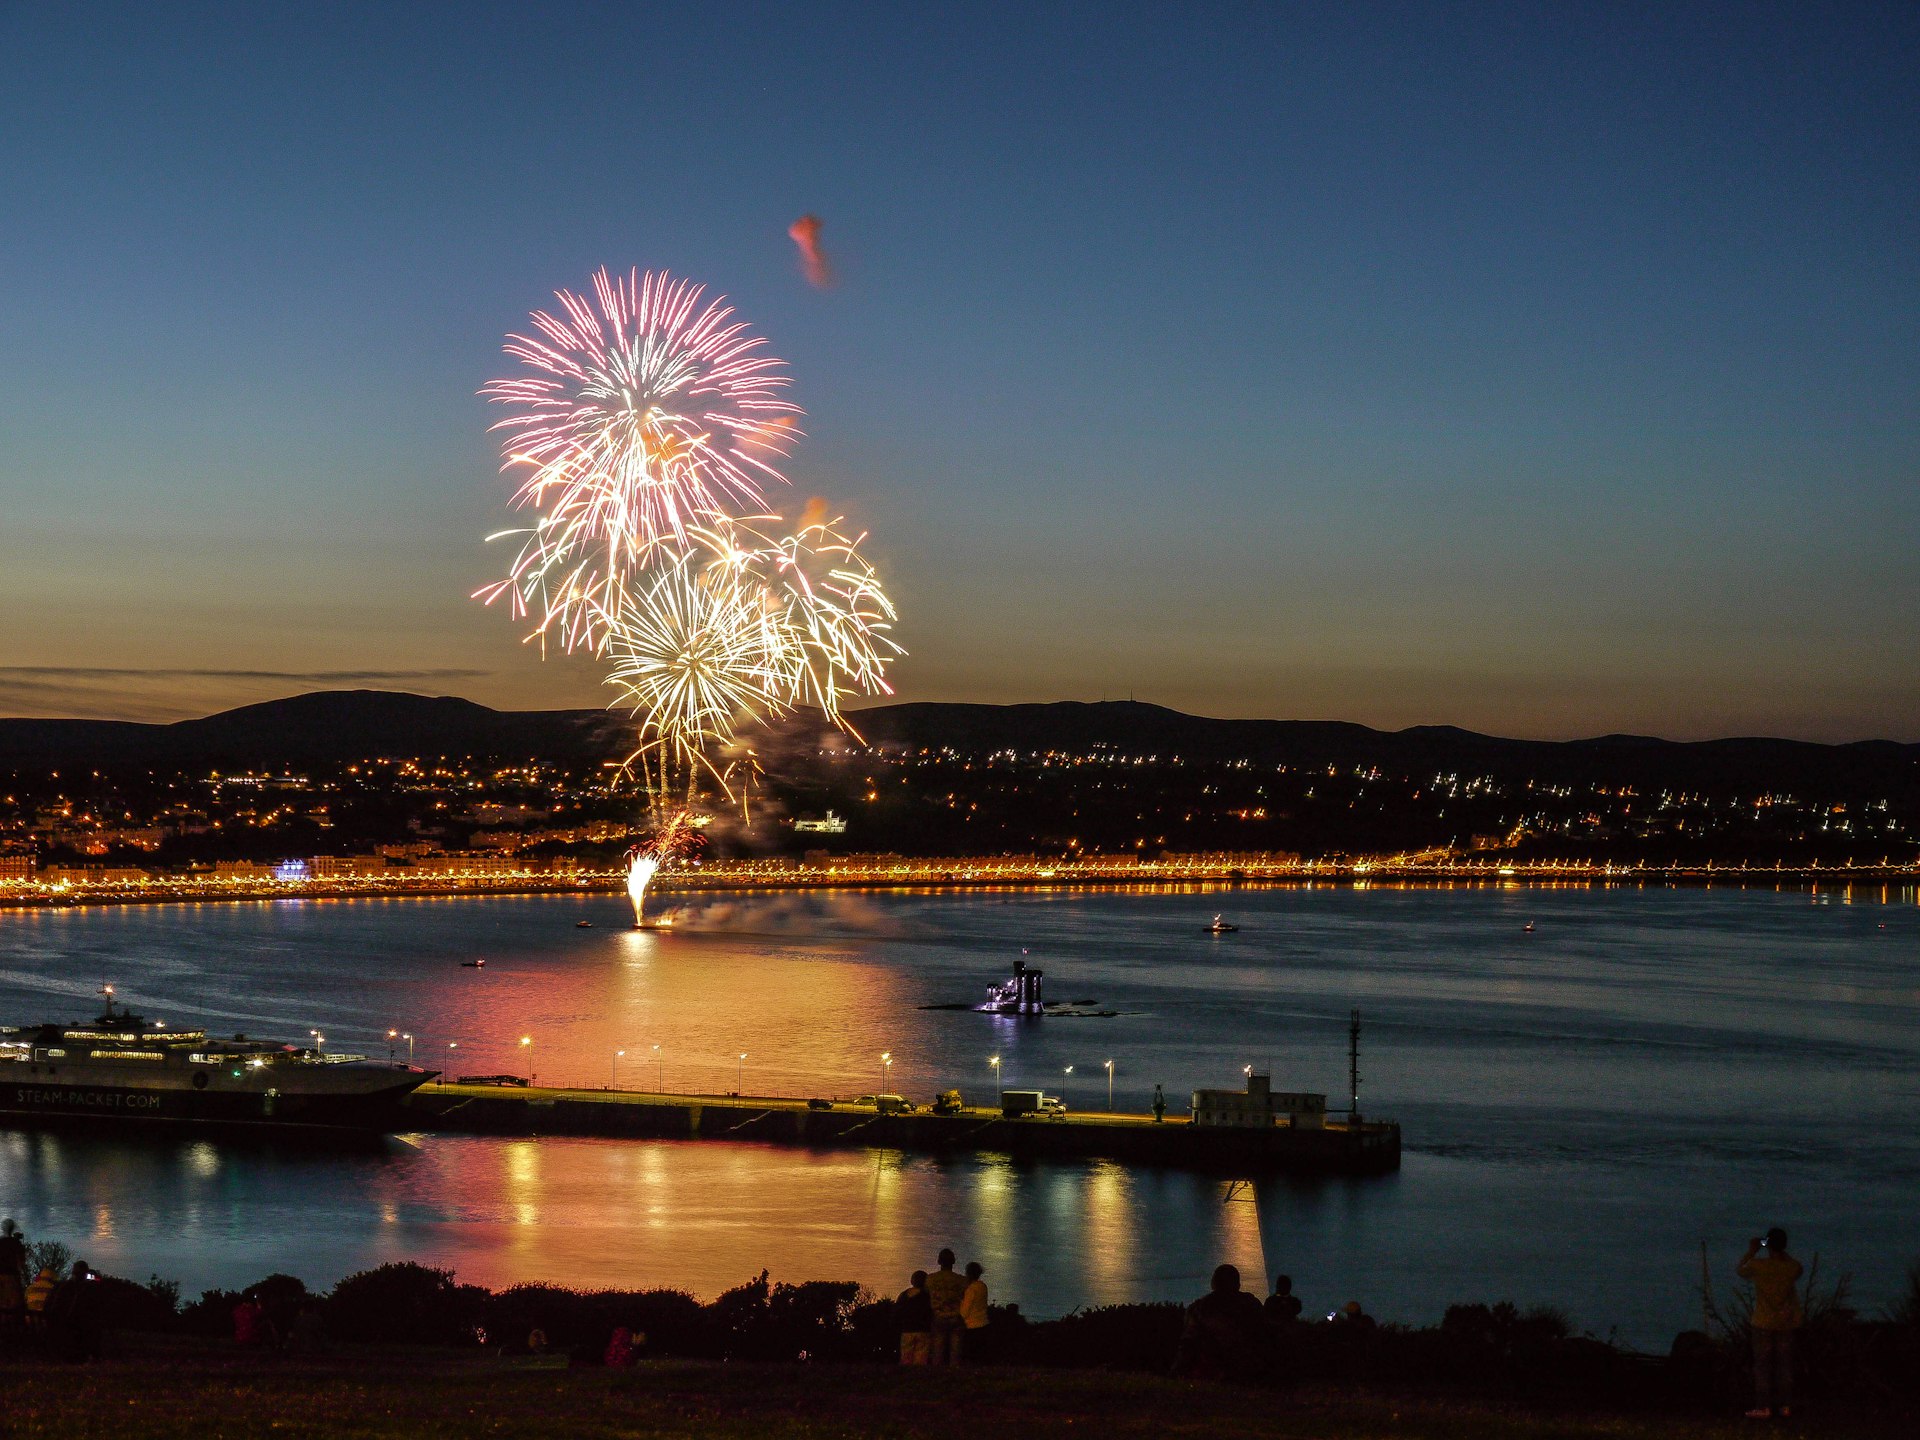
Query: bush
point(761, 1321)
point(405, 1303)
point(49, 1255)
point(128, 1305)
point(211, 1316)
point(673, 1323)
point(1112, 1337)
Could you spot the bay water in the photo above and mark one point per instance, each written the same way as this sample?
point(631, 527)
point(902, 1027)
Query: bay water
point(1584, 1103)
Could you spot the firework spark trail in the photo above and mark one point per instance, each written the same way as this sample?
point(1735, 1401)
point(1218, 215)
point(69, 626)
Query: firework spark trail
point(648, 423)
point(821, 600)
point(642, 417)
point(695, 653)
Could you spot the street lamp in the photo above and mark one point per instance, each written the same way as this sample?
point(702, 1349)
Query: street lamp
point(319, 1041)
point(886, 1072)
point(527, 1040)
point(659, 1072)
point(995, 1063)
point(409, 1039)
point(1109, 1085)
point(392, 1035)
point(1063, 1087)
point(740, 1085)
point(614, 1081)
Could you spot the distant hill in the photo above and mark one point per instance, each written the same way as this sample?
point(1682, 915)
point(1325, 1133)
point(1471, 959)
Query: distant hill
point(1871, 766)
point(346, 725)
point(328, 725)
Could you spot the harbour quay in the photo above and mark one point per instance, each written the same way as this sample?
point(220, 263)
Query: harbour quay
point(1210, 1140)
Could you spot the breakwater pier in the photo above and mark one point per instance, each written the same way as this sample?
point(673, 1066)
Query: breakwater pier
point(1335, 1147)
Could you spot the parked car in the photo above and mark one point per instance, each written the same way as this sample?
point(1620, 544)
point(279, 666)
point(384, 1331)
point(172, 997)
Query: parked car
point(887, 1104)
point(818, 1104)
point(519, 1080)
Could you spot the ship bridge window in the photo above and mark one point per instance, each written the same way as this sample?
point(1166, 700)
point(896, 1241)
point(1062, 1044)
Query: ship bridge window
point(126, 1054)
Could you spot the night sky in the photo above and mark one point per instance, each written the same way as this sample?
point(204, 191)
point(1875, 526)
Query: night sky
point(1549, 370)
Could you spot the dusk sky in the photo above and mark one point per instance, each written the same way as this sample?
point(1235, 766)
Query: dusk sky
point(1549, 369)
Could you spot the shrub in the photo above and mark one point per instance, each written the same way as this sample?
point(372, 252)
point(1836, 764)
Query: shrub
point(673, 1323)
point(404, 1303)
point(49, 1255)
point(211, 1316)
point(1112, 1337)
point(128, 1305)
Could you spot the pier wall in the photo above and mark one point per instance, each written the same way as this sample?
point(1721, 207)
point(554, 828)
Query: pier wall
point(1370, 1148)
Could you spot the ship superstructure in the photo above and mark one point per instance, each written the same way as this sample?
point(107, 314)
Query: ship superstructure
point(124, 1066)
point(1019, 994)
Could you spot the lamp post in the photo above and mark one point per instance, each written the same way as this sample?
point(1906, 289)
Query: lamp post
point(741, 1083)
point(1001, 1094)
point(527, 1040)
point(1109, 1086)
point(659, 1071)
point(392, 1035)
point(613, 1082)
point(1064, 1096)
point(886, 1072)
point(409, 1039)
point(319, 1041)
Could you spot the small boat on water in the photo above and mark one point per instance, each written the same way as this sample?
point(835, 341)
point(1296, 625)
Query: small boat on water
point(1221, 927)
point(583, 924)
point(473, 964)
point(1527, 929)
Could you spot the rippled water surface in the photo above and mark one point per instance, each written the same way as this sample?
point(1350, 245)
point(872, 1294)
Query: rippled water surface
point(1583, 1104)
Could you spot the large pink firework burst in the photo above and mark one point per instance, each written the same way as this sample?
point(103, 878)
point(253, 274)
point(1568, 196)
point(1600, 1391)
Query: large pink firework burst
point(641, 416)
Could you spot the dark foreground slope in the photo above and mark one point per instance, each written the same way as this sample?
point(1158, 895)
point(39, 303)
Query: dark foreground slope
point(429, 1397)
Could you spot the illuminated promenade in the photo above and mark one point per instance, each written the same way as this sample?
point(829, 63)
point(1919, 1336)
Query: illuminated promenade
point(901, 872)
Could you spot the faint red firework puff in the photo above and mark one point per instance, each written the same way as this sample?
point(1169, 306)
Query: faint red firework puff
point(805, 233)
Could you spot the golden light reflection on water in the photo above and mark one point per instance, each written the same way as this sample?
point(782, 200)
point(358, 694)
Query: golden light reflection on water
point(520, 1170)
point(1112, 1226)
point(703, 1000)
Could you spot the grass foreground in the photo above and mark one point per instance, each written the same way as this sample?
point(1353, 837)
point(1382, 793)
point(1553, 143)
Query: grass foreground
point(194, 1393)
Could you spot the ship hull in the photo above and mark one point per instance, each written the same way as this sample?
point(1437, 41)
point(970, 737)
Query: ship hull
point(39, 1099)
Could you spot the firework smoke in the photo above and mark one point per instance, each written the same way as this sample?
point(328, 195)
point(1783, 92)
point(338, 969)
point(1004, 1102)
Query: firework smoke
point(805, 234)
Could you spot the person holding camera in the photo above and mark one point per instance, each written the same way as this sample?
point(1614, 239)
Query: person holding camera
point(1775, 1276)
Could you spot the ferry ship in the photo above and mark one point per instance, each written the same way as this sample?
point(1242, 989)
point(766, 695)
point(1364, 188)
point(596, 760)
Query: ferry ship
point(125, 1067)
